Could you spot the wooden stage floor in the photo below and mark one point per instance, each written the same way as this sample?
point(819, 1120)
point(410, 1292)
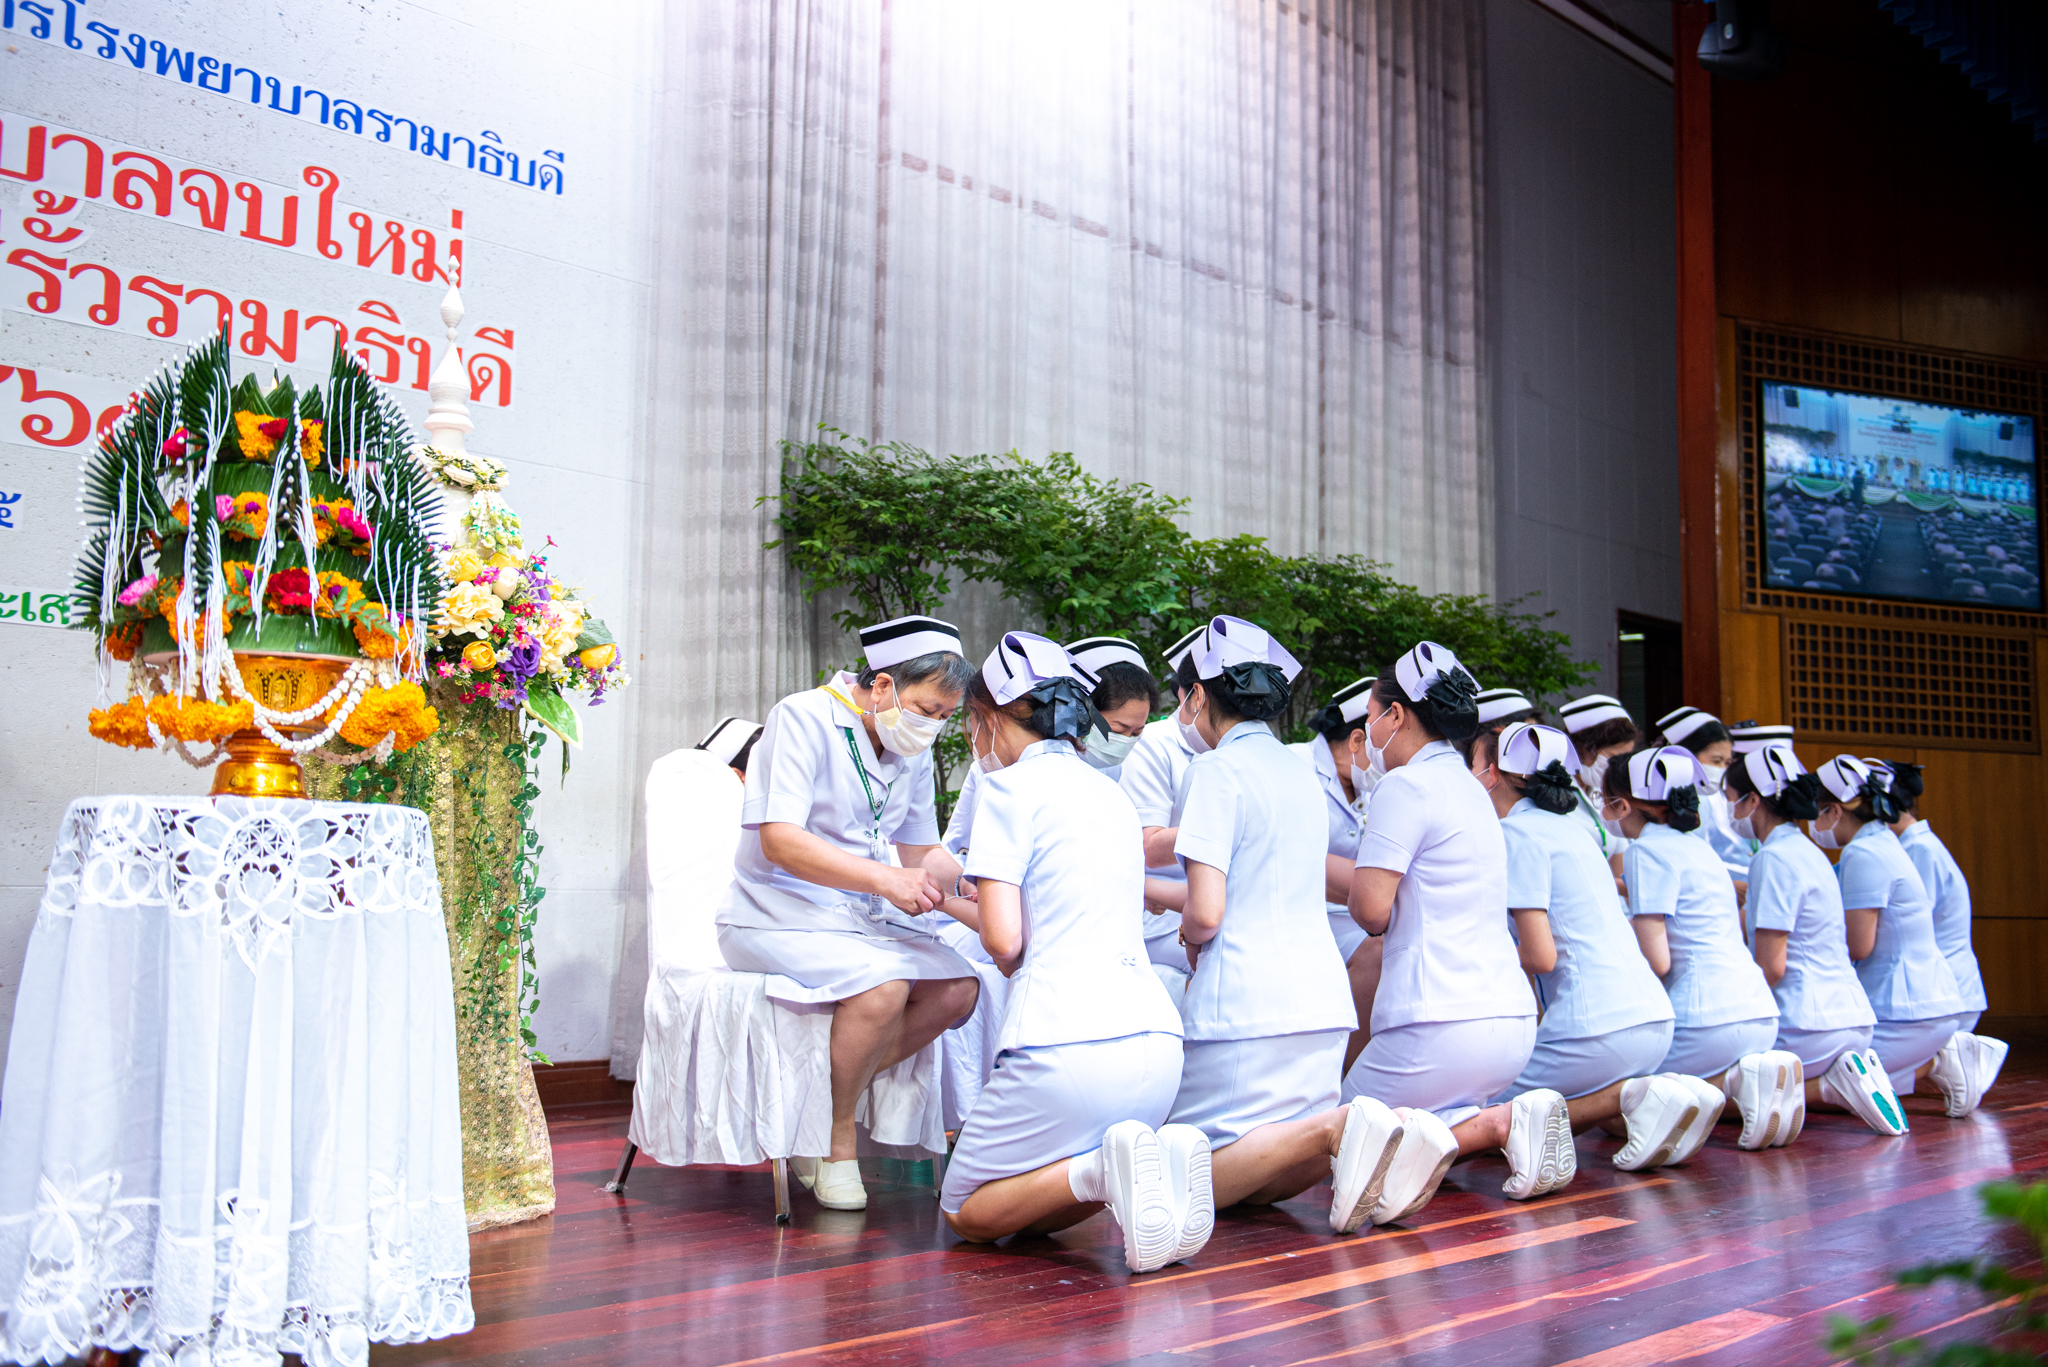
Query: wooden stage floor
point(1735, 1258)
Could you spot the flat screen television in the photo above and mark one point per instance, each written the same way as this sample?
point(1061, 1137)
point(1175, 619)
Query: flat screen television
point(1887, 499)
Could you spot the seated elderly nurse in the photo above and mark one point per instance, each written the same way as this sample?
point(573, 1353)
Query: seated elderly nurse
point(840, 775)
point(1073, 1116)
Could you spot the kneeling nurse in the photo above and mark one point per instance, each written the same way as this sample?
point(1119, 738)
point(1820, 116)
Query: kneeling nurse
point(1089, 1050)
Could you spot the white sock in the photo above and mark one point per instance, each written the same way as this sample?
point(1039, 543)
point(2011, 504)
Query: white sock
point(1730, 1082)
point(1632, 1092)
point(1086, 1178)
point(1830, 1095)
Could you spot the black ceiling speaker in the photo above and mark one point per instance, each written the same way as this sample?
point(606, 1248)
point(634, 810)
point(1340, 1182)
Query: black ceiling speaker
point(1740, 42)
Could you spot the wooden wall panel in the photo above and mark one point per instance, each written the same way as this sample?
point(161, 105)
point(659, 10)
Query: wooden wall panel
point(2011, 953)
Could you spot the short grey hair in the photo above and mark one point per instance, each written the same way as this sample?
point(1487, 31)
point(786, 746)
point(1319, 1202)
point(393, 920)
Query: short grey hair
point(946, 668)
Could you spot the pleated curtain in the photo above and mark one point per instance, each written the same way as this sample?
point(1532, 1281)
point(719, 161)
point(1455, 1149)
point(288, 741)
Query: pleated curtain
point(1228, 247)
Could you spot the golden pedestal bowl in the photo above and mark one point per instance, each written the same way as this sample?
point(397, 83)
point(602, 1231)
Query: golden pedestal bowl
point(257, 766)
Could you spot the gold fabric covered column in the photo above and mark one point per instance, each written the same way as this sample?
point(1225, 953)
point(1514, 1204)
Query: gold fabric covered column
point(468, 778)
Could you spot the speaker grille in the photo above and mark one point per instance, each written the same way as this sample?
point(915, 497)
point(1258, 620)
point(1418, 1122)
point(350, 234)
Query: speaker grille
point(1941, 689)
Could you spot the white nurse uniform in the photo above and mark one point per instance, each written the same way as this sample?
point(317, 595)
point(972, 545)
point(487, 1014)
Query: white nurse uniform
point(1911, 987)
point(1347, 823)
point(1945, 883)
point(1822, 1010)
point(1151, 777)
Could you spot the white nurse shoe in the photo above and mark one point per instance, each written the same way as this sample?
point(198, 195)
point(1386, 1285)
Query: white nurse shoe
point(1657, 1124)
point(1711, 1101)
point(1955, 1072)
point(837, 1185)
point(1990, 1058)
point(1857, 1081)
point(1372, 1136)
point(1541, 1156)
point(1769, 1086)
point(1185, 1150)
point(1135, 1172)
point(1427, 1151)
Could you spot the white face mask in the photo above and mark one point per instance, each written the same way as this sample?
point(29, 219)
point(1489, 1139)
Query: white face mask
point(1825, 836)
point(1375, 757)
point(1106, 749)
point(1189, 734)
point(1744, 828)
point(1594, 775)
point(906, 733)
point(1715, 773)
point(1362, 783)
point(1613, 828)
point(987, 763)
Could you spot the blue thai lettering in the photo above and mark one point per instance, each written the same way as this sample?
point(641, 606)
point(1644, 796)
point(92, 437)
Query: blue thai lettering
point(531, 167)
point(167, 57)
point(255, 83)
point(43, 13)
point(383, 119)
point(212, 66)
point(310, 91)
point(109, 38)
point(276, 90)
point(71, 38)
point(496, 165)
point(412, 133)
point(551, 175)
point(353, 110)
point(138, 48)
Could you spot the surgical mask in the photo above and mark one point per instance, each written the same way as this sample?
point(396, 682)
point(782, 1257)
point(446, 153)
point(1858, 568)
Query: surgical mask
point(907, 734)
point(1613, 828)
point(988, 763)
point(1825, 837)
point(1715, 773)
point(1362, 783)
point(1595, 774)
point(1375, 757)
point(1106, 749)
point(1744, 828)
point(1190, 736)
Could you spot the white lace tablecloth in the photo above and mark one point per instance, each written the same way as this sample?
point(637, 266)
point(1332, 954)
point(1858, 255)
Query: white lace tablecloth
point(230, 1125)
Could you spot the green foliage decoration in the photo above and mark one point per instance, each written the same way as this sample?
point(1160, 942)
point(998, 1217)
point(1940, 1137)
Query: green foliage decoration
point(2018, 1336)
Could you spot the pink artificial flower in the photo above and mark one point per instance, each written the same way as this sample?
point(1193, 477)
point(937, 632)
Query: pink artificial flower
point(224, 506)
point(178, 445)
point(137, 591)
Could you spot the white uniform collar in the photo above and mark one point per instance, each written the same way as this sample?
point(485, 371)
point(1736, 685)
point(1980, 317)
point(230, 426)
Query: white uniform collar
point(1784, 830)
point(1242, 729)
point(1869, 829)
point(1435, 749)
point(1046, 747)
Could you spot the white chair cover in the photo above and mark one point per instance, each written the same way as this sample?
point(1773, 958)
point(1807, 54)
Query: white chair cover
point(728, 1075)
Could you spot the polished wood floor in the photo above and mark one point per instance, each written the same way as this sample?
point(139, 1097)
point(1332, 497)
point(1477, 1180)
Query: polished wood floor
point(1735, 1258)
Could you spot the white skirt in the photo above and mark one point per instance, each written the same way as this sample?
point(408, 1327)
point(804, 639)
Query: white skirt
point(967, 1053)
point(1581, 1067)
point(1350, 935)
point(1230, 1087)
point(1902, 1046)
point(809, 966)
point(1452, 1069)
point(1708, 1051)
point(1052, 1102)
point(1817, 1050)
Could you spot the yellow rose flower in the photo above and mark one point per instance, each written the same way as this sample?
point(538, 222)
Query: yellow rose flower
point(468, 607)
point(599, 657)
point(502, 561)
point(463, 565)
point(479, 656)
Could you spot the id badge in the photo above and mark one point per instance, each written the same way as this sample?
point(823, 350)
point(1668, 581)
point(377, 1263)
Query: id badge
point(878, 850)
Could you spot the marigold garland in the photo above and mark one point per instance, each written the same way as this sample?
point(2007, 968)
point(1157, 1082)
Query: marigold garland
point(121, 724)
point(259, 434)
point(400, 711)
point(197, 721)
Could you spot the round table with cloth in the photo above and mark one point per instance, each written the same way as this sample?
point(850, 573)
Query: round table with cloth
point(229, 1127)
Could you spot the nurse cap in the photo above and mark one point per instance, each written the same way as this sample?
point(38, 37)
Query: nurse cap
point(1676, 726)
point(1773, 769)
point(1654, 775)
point(1846, 777)
point(905, 638)
point(1496, 703)
point(728, 738)
point(1424, 664)
point(1529, 748)
point(1096, 653)
point(1183, 648)
point(1583, 714)
point(1748, 736)
point(1023, 660)
point(1231, 641)
point(1350, 700)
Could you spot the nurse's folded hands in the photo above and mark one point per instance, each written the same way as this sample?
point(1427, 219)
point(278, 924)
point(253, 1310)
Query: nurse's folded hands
point(909, 890)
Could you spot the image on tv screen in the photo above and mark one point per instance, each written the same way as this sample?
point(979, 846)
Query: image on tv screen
point(1876, 496)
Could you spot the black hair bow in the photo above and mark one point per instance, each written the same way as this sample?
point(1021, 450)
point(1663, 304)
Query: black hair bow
point(1258, 682)
point(1062, 707)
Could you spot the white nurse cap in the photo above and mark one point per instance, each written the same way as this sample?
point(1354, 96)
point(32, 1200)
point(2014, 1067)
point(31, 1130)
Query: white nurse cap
point(1772, 769)
point(905, 638)
point(1229, 641)
point(1583, 714)
point(1750, 737)
point(1654, 775)
point(1350, 700)
point(1496, 703)
point(1846, 777)
point(1023, 660)
point(1423, 665)
point(728, 738)
point(1096, 653)
point(1529, 748)
point(1183, 648)
point(1676, 726)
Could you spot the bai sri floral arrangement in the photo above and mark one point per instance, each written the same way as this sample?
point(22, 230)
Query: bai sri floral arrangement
point(507, 632)
point(237, 525)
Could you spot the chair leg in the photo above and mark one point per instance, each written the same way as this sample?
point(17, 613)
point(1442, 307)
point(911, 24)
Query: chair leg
point(617, 1186)
point(782, 1210)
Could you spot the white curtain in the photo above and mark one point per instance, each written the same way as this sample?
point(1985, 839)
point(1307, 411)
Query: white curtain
point(1229, 247)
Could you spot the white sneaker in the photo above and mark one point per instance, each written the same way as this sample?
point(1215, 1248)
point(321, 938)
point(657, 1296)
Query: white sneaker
point(1185, 1151)
point(1372, 1136)
point(1657, 1125)
point(1990, 1058)
point(1427, 1151)
point(1769, 1086)
point(1861, 1085)
point(1541, 1156)
point(1135, 1173)
point(1710, 1099)
point(837, 1185)
point(1955, 1072)
point(1793, 1109)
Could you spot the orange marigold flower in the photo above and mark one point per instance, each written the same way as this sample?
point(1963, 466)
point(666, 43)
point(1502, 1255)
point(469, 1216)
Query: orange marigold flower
point(182, 512)
point(124, 640)
point(254, 431)
point(196, 721)
point(400, 711)
point(312, 440)
point(378, 644)
point(121, 724)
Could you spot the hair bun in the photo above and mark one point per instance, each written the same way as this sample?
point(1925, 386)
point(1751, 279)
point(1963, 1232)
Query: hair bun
point(1062, 710)
point(1551, 789)
point(1907, 780)
point(1453, 700)
point(1256, 690)
point(1684, 804)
